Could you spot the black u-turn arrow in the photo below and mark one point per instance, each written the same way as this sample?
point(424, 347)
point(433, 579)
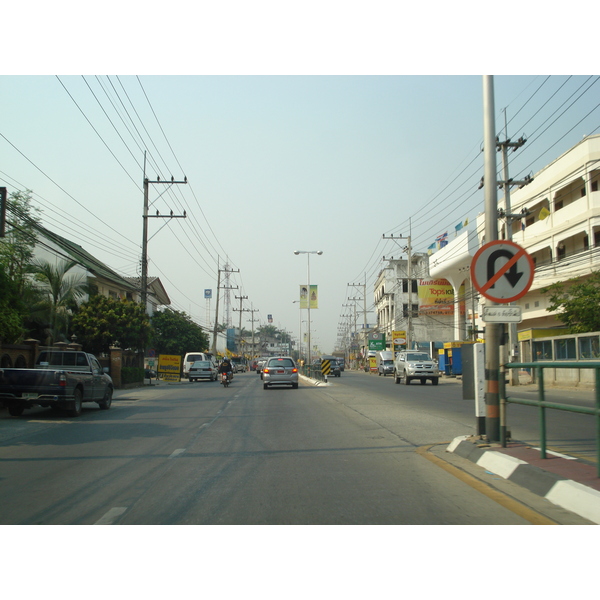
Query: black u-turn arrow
point(511, 274)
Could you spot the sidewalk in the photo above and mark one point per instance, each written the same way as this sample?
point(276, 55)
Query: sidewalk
point(563, 480)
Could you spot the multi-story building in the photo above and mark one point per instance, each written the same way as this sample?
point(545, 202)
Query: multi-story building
point(409, 301)
point(559, 228)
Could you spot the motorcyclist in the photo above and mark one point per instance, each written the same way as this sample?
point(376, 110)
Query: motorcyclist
point(225, 367)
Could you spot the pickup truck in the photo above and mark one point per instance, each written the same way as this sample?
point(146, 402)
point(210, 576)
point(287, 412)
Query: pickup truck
point(60, 379)
point(411, 364)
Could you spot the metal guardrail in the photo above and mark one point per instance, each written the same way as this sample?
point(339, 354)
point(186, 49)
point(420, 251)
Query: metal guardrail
point(543, 404)
point(312, 372)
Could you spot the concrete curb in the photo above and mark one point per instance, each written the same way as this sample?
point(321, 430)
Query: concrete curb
point(315, 382)
point(566, 493)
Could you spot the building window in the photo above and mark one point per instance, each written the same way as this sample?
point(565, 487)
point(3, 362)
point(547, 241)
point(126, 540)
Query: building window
point(112, 294)
point(536, 304)
point(582, 192)
point(595, 186)
point(561, 251)
point(564, 349)
point(542, 350)
point(558, 205)
point(589, 347)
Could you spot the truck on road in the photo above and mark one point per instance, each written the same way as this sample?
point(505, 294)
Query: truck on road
point(61, 379)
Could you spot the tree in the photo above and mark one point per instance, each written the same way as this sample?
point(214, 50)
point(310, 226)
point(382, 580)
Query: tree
point(16, 252)
point(102, 322)
point(59, 295)
point(577, 303)
point(174, 332)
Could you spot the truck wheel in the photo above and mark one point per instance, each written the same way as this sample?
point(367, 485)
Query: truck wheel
point(15, 410)
point(107, 400)
point(423, 381)
point(406, 379)
point(396, 378)
point(434, 381)
point(77, 403)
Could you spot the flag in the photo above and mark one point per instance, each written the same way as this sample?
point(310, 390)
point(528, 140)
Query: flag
point(439, 238)
point(458, 227)
point(544, 213)
point(431, 248)
point(466, 222)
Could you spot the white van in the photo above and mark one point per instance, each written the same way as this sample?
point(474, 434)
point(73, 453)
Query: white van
point(191, 357)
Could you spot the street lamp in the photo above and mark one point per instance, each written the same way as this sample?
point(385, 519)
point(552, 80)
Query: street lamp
point(308, 253)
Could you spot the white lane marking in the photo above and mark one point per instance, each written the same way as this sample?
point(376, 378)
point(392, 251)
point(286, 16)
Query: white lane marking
point(177, 452)
point(111, 516)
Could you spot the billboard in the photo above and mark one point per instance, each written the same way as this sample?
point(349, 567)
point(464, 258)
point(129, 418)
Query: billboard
point(436, 297)
point(169, 367)
point(304, 296)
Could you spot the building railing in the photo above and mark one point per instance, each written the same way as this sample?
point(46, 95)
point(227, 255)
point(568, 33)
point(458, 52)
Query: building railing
point(542, 404)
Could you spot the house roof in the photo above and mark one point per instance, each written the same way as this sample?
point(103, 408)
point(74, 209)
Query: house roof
point(155, 288)
point(84, 258)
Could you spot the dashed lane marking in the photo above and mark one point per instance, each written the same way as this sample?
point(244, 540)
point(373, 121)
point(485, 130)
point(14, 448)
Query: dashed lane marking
point(111, 516)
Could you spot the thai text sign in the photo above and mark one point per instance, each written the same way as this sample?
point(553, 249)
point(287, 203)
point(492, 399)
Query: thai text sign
point(436, 296)
point(169, 366)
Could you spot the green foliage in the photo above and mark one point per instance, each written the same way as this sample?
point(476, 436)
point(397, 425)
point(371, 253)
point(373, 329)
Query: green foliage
point(58, 295)
point(16, 252)
point(132, 375)
point(577, 303)
point(175, 333)
point(103, 322)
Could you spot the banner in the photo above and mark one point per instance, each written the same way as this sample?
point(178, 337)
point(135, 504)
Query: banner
point(436, 297)
point(314, 296)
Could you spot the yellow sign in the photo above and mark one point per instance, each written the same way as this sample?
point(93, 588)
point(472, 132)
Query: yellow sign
point(373, 364)
point(325, 367)
point(436, 296)
point(169, 367)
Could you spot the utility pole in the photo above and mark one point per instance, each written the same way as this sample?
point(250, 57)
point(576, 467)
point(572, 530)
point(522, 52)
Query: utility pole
point(241, 310)
point(146, 216)
point(408, 250)
point(492, 330)
point(3, 199)
point(506, 184)
point(252, 311)
point(225, 270)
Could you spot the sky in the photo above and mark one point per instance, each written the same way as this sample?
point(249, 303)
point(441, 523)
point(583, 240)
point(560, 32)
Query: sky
point(322, 155)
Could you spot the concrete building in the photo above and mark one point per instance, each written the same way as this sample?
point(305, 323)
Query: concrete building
point(560, 229)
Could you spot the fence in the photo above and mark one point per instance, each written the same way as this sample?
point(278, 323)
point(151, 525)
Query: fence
point(542, 404)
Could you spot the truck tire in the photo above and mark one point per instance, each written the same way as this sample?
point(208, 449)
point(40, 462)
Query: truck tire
point(396, 378)
point(15, 410)
point(107, 400)
point(434, 380)
point(77, 403)
point(406, 379)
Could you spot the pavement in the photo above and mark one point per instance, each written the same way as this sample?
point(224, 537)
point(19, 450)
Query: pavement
point(563, 480)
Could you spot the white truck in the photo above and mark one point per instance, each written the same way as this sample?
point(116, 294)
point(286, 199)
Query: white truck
point(412, 364)
point(385, 363)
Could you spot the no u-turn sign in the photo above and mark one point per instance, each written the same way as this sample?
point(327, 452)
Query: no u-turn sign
point(502, 271)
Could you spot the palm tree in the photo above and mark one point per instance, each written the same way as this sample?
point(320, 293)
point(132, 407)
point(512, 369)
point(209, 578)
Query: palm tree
point(60, 293)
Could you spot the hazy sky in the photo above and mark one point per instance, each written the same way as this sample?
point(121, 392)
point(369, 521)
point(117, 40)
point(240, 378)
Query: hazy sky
point(275, 163)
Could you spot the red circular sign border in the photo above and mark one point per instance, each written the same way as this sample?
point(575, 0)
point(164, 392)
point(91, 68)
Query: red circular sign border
point(498, 243)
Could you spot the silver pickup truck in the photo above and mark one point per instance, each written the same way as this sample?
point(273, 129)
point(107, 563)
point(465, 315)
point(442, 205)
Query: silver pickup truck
point(411, 364)
point(61, 379)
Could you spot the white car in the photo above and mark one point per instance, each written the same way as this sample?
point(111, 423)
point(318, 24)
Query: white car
point(411, 364)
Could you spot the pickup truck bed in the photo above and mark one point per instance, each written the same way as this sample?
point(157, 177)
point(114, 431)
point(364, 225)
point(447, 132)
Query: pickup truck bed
point(71, 379)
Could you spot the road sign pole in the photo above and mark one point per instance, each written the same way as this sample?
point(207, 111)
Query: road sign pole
point(492, 330)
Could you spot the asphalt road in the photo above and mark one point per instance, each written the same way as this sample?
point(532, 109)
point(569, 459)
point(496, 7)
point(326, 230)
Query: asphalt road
point(348, 453)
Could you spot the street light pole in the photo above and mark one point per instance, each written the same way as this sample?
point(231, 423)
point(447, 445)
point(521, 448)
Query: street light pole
point(308, 253)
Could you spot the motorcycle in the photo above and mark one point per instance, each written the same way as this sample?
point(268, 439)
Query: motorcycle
point(224, 379)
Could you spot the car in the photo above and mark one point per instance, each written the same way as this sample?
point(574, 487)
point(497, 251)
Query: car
point(334, 365)
point(202, 369)
point(411, 365)
point(260, 364)
point(280, 370)
point(150, 374)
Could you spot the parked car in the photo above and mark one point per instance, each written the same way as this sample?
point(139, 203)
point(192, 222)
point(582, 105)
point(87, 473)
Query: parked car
point(280, 370)
point(202, 369)
point(411, 365)
point(60, 379)
point(191, 357)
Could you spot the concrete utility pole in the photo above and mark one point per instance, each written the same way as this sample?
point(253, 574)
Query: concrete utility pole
point(3, 199)
point(492, 330)
point(506, 184)
point(252, 311)
point(241, 310)
point(409, 312)
point(146, 216)
point(226, 270)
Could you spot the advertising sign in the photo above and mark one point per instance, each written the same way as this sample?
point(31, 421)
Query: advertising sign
point(208, 294)
point(436, 297)
point(304, 296)
point(377, 341)
point(169, 367)
point(398, 340)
